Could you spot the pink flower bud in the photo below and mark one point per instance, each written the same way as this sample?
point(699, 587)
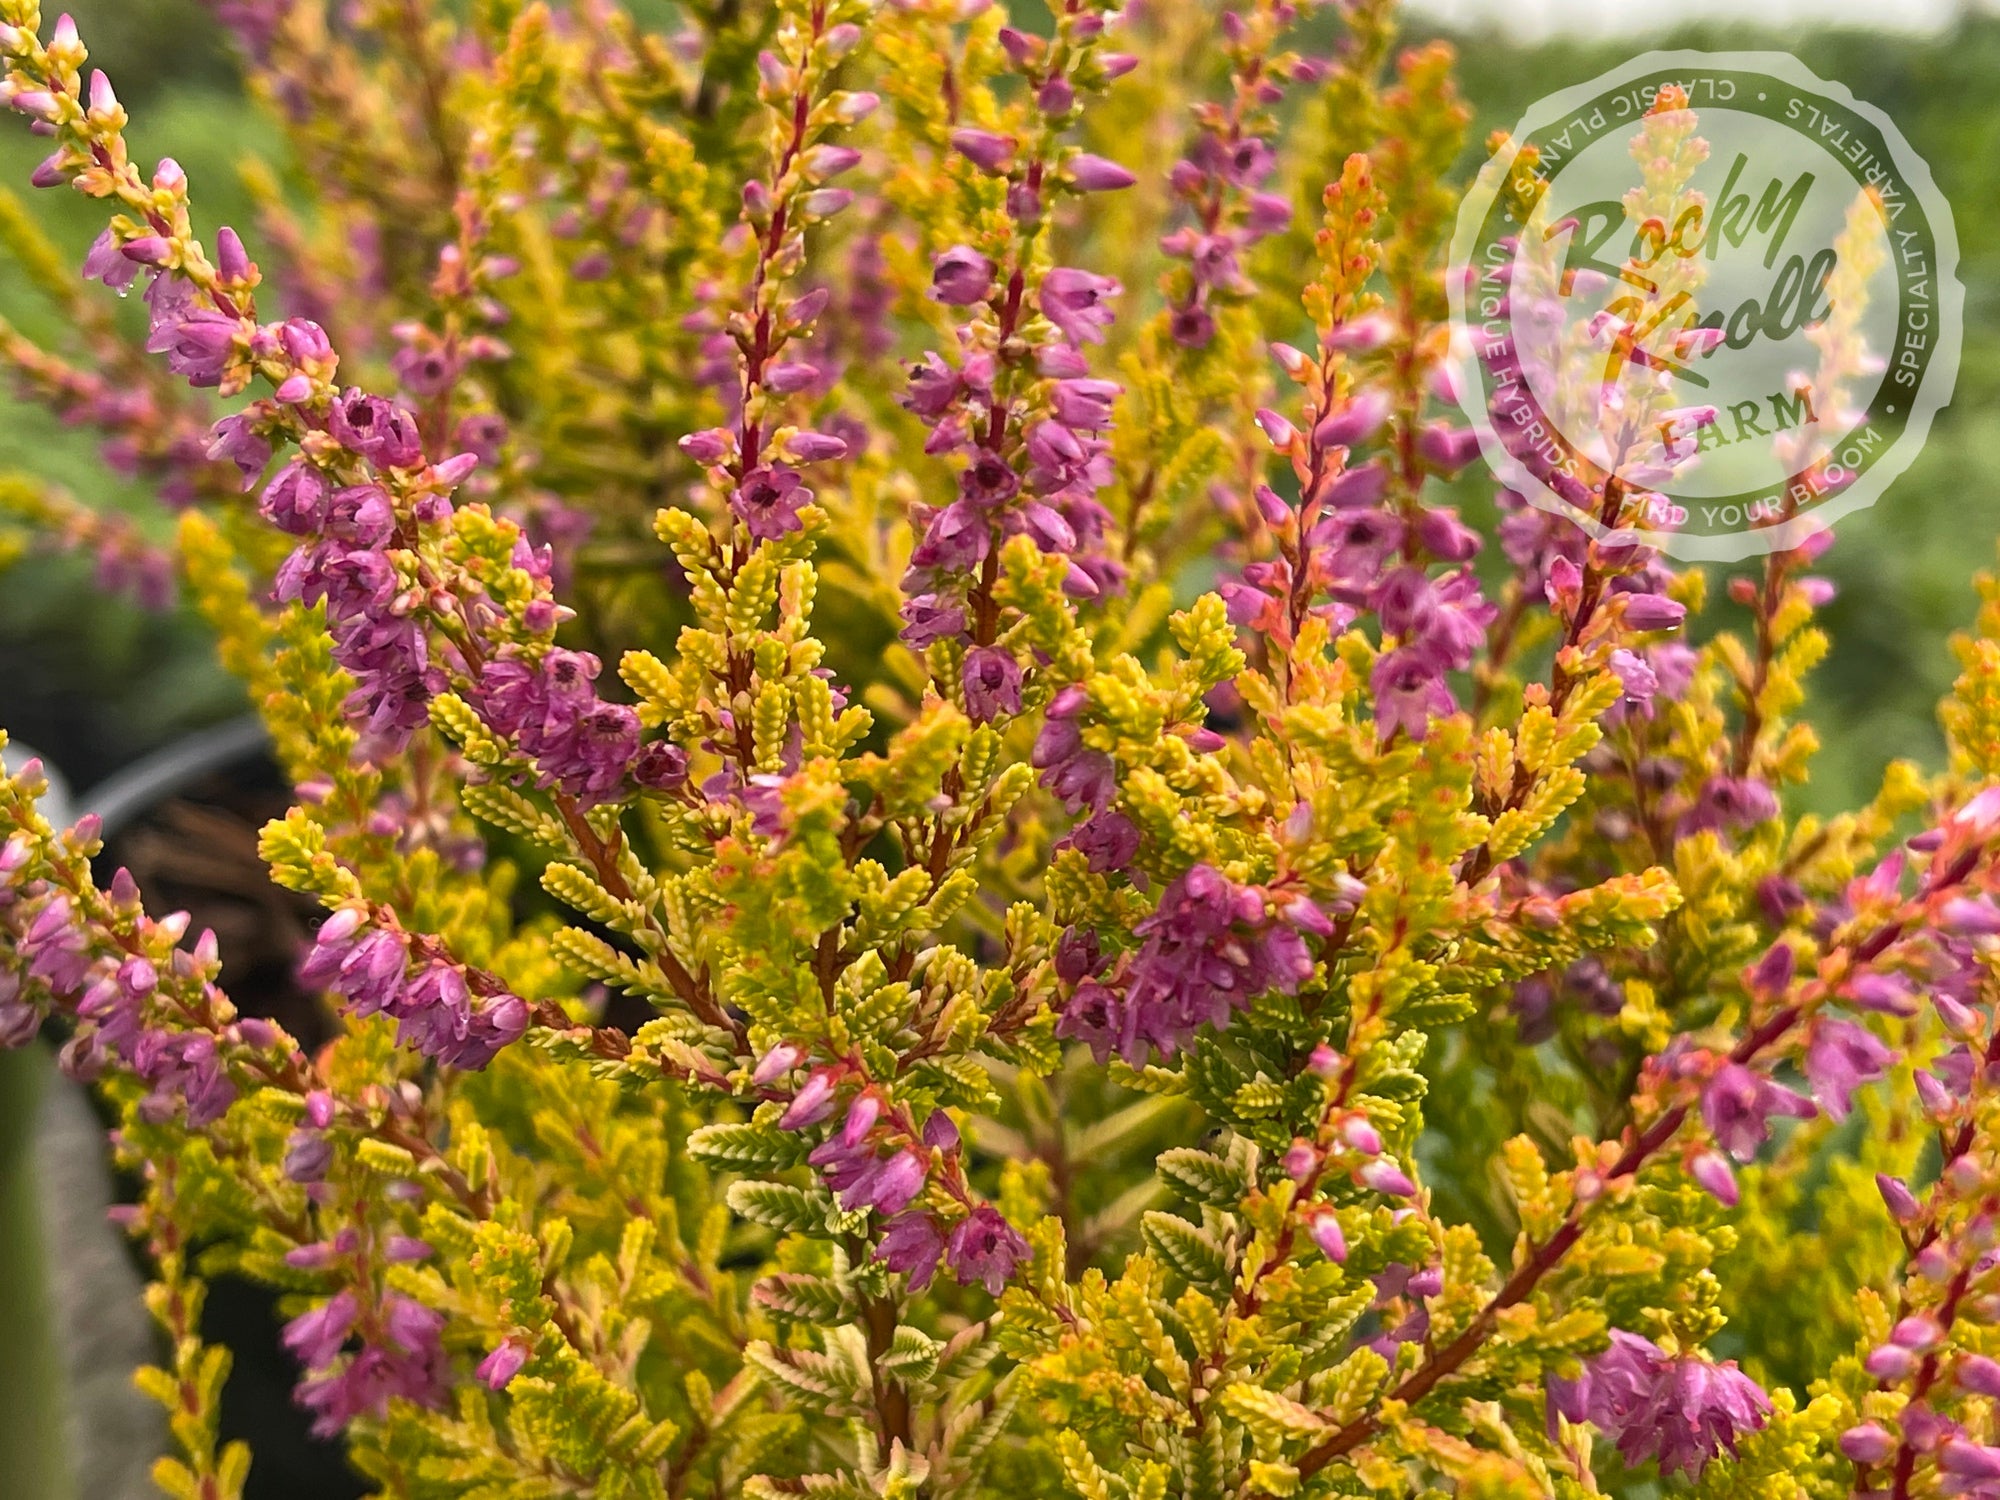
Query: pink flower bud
point(824, 203)
point(1096, 174)
point(1919, 1332)
point(149, 250)
point(1280, 431)
point(1712, 1170)
point(38, 104)
point(1385, 1177)
point(1326, 1234)
point(852, 108)
point(1360, 419)
point(985, 149)
point(1300, 1160)
point(500, 1367)
point(454, 471)
point(1653, 612)
point(1867, 1443)
point(103, 99)
point(1968, 1460)
point(823, 162)
point(1446, 447)
point(811, 1104)
point(1978, 1374)
point(1294, 362)
point(1361, 335)
point(775, 1064)
point(815, 447)
point(1361, 1136)
point(709, 446)
point(1902, 1203)
point(1889, 1362)
point(1271, 505)
point(231, 259)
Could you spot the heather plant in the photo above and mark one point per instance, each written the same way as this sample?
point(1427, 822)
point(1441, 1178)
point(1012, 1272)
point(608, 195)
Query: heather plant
point(947, 870)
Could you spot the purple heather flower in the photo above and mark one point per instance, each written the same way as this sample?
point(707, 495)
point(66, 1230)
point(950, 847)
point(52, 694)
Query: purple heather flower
point(1730, 802)
point(425, 370)
point(661, 767)
point(992, 683)
point(315, 1338)
point(1680, 1411)
point(1209, 949)
point(1638, 679)
point(1889, 1362)
point(1885, 994)
point(989, 480)
point(295, 499)
point(812, 1103)
point(956, 540)
point(433, 1008)
point(408, 1363)
point(912, 1244)
point(308, 1155)
point(1084, 403)
point(234, 440)
point(1075, 302)
point(1409, 692)
point(934, 385)
point(107, 264)
point(1446, 447)
point(578, 742)
point(200, 343)
point(1107, 840)
point(985, 1248)
point(859, 1174)
point(1077, 955)
point(380, 431)
point(927, 620)
point(500, 1367)
point(768, 501)
point(1841, 1058)
point(1355, 422)
point(1738, 1105)
point(961, 277)
point(1357, 488)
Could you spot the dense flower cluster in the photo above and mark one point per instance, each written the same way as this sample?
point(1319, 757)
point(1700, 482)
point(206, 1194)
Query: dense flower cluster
point(374, 969)
point(1207, 951)
point(1678, 1411)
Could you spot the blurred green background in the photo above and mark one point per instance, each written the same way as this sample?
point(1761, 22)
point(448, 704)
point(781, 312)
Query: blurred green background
point(94, 682)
